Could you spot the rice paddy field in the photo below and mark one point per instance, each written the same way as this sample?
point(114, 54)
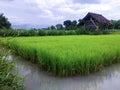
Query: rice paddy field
point(68, 55)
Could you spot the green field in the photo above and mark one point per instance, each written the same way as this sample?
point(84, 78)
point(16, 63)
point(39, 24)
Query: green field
point(68, 55)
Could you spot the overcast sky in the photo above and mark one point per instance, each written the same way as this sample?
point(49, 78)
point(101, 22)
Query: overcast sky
point(51, 12)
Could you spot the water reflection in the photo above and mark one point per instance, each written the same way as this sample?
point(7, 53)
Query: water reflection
point(36, 79)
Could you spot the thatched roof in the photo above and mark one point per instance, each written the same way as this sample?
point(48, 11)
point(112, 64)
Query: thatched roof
point(98, 17)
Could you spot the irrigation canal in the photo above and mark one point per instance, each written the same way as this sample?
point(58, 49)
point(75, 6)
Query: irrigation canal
point(36, 79)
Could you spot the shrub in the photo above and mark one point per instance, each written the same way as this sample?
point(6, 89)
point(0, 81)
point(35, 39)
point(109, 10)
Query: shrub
point(52, 32)
point(61, 32)
point(82, 30)
point(71, 32)
point(8, 81)
point(23, 33)
point(2, 32)
point(105, 32)
point(7, 32)
point(42, 32)
point(79, 31)
point(96, 32)
point(32, 32)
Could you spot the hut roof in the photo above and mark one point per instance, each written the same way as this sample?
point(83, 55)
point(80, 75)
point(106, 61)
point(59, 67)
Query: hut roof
point(98, 17)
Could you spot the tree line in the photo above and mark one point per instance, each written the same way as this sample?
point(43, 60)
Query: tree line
point(73, 25)
point(67, 24)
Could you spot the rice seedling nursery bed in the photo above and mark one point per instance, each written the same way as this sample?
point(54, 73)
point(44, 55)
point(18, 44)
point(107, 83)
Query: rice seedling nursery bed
point(68, 55)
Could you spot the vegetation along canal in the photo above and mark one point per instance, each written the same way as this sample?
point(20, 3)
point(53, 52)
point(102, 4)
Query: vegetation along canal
point(82, 54)
point(36, 79)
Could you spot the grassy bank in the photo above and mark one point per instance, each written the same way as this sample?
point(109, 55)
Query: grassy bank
point(8, 81)
point(68, 55)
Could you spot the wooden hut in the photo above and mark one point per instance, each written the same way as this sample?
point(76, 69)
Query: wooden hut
point(93, 21)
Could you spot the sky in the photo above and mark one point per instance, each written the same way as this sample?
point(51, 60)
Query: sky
point(51, 12)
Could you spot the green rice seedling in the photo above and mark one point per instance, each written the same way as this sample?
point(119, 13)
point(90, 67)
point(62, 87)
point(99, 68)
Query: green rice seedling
point(68, 55)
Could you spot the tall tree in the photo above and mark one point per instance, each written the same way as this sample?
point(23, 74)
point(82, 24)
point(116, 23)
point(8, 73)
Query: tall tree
point(4, 23)
point(74, 25)
point(52, 27)
point(67, 24)
point(59, 26)
point(81, 23)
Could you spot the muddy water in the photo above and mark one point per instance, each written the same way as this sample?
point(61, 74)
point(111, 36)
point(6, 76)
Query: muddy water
point(36, 79)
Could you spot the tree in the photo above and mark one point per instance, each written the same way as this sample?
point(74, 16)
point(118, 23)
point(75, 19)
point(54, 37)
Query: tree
point(67, 24)
point(70, 25)
point(74, 25)
point(4, 23)
point(52, 27)
point(117, 24)
point(81, 23)
point(59, 26)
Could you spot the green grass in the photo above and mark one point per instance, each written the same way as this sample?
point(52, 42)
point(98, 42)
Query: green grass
point(8, 81)
point(68, 55)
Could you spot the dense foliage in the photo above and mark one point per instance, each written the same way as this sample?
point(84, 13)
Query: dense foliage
point(68, 55)
point(4, 23)
point(74, 25)
point(8, 81)
point(115, 24)
point(70, 25)
point(80, 31)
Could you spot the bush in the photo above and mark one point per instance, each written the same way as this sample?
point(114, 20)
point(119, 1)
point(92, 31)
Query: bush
point(7, 32)
point(42, 33)
point(32, 33)
point(71, 32)
point(96, 32)
point(79, 31)
point(82, 30)
point(61, 32)
point(8, 81)
point(11, 33)
point(100, 32)
point(23, 33)
point(105, 32)
point(52, 32)
point(2, 32)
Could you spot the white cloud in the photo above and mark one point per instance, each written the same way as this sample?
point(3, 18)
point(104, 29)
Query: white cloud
point(50, 12)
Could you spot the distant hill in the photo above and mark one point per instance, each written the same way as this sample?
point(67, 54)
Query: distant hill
point(27, 26)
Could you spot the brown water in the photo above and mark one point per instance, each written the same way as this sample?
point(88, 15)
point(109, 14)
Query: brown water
point(36, 79)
